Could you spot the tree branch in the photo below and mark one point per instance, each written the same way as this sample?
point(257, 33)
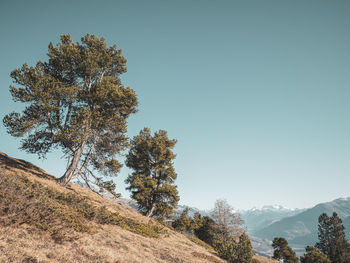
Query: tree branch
point(68, 115)
point(50, 126)
point(87, 158)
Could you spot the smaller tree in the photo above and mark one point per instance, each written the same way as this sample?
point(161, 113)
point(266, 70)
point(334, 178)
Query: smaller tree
point(228, 222)
point(244, 251)
point(235, 251)
point(152, 181)
point(184, 223)
point(314, 255)
point(227, 249)
point(324, 226)
point(197, 221)
point(282, 251)
point(206, 230)
point(332, 239)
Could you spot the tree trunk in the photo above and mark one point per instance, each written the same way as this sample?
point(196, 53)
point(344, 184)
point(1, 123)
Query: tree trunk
point(69, 174)
point(150, 212)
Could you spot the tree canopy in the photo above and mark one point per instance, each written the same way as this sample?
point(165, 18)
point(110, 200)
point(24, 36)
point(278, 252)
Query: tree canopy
point(235, 250)
point(282, 251)
point(76, 102)
point(314, 255)
point(332, 240)
point(228, 222)
point(152, 180)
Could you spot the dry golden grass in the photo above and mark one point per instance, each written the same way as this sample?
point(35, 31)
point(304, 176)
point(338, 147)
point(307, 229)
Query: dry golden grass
point(265, 260)
point(28, 227)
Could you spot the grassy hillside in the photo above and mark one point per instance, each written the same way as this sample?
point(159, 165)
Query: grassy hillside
point(41, 221)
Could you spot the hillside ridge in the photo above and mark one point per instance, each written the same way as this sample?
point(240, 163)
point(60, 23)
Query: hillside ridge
point(44, 222)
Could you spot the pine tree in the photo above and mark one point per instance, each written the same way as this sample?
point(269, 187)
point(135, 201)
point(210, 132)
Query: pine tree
point(282, 251)
point(75, 101)
point(197, 221)
point(227, 249)
point(235, 251)
point(206, 230)
point(324, 226)
point(314, 255)
point(244, 251)
point(332, 239)
point(184, 223)
point(152, 180)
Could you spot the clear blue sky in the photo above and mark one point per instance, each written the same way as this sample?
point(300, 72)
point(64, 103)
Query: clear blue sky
point(256, 92)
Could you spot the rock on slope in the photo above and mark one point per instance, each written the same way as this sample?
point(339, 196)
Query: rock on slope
point(41, 221)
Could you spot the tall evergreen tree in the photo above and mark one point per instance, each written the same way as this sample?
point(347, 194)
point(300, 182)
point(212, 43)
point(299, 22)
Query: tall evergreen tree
point(314, 255)
point(152, 181)
point(332, 239)
point(324, 226)
point(75, 101)
point(244, 251)
point(282, 251)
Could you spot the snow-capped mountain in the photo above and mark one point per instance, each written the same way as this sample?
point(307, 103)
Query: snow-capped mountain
point(259, 218)
point(298, 226)
point(301, 229)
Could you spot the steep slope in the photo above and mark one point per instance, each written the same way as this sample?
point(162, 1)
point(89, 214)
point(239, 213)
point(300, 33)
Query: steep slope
point(41, 221)
point(301, 229)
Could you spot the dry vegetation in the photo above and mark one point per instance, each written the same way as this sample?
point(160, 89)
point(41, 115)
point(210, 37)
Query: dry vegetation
point(43, 222)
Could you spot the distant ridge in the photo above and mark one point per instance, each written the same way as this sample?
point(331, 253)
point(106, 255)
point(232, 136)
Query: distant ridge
point(301, 229)
point(259, 218)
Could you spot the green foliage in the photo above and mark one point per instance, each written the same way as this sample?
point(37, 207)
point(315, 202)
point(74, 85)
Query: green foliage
point(244, 251)
point(223, 232)
point(59, 213)
point(314, 255)
point(110, 187)
point(235, 251)
point(152, 180)
point(75, 101)
point(196, 240)
point(187, 224)
point(197, 221)
point(206, 230)
point(332, 240)
point(184, 223)
point(282, 251)
point(226, 249)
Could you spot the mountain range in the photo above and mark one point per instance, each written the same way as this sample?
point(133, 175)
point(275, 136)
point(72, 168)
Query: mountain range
point(298, 226)
point(301, 229)
point(257, 219)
